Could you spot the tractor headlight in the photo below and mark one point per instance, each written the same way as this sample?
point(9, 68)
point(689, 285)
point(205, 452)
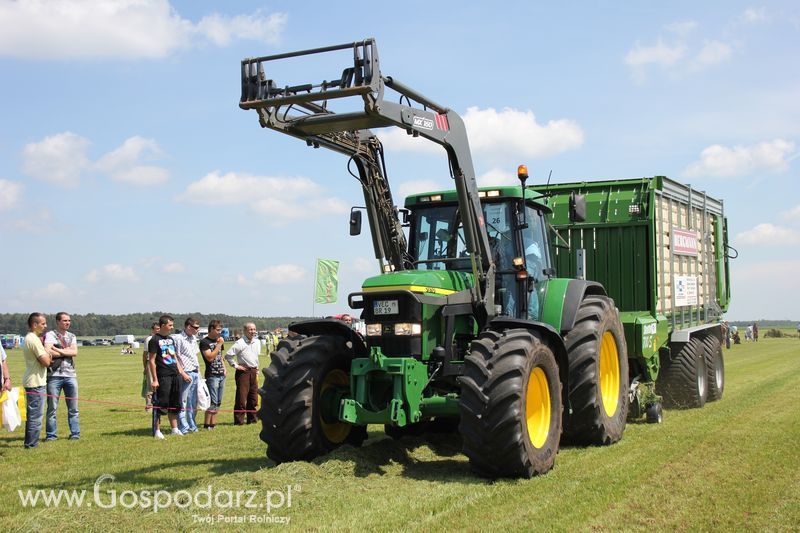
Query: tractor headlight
point(407, 329)
point(374, 330)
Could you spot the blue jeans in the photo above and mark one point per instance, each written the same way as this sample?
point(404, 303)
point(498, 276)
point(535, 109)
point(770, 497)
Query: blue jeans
point(216, 387)
point(35, 409)
point(188, 410)
point(55, 384)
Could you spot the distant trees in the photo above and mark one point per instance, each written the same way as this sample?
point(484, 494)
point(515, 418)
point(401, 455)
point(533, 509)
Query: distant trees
point(138, 323)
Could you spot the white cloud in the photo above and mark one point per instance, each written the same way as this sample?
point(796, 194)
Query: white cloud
point(45, 29)
point(280, 274)
point(658, 54)
point(257, 27)
point(769, 235)
point(753, 15)
point(282, 198)
point(497, 176)
point(713, 52)
point(792, 214)
point(722, 161)
point(112, 272)
point(57, 159)
point(36, 222)
point(677, 54)
point(10, 193)
point(54, 290)
point(122, 163)
point(500, 134)
point(517, 134)
point(173, 268)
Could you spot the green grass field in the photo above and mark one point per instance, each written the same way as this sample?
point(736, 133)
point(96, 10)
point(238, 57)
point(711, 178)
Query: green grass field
point(732, 465)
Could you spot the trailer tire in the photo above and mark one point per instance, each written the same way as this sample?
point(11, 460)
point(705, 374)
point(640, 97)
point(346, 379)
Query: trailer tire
point(598, 374)
point(291, 420)
point(684, 384)
point(510, 405)
point(715, 366)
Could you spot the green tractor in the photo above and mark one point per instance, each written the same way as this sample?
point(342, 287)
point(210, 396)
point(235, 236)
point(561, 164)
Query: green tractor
point(467, 325)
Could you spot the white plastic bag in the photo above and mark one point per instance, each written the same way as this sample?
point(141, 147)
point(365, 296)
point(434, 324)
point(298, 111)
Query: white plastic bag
point(203, 396)
point(11, 416)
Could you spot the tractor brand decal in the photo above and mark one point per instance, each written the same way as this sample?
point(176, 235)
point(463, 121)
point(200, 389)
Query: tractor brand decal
point(423, 122)
point(685, 290)
point(684, 242)
point(441, 122)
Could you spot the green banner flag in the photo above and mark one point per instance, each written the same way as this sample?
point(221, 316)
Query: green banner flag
point(327, 281)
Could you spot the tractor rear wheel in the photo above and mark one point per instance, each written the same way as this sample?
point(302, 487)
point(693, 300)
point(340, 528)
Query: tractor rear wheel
point(296, 425)
point(598, 374)
point(715, 366)
point(510, 405)
point(684, 381)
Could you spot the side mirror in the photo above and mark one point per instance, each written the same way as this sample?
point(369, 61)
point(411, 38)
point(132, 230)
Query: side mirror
point(404, 214)
point(355, 221)
point(577, 207)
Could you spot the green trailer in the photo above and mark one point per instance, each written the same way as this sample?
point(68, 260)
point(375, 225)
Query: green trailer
point(660, 248)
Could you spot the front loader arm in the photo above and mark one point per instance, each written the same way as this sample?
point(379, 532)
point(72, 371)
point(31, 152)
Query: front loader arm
point(305, 111)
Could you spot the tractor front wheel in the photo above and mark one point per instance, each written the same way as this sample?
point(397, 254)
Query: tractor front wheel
point(298, 400)
point(598, 374)
point(510, 405)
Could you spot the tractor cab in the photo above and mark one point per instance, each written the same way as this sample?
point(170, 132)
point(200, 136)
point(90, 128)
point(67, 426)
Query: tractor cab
point(517, 237)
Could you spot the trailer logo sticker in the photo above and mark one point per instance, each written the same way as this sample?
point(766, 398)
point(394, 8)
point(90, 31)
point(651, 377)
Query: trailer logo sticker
point(423, 123)
point(684, 242)
point(685, 290)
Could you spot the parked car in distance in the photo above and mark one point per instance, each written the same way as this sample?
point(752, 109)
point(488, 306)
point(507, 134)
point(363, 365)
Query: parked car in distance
point(87, 342)
point(102, 342)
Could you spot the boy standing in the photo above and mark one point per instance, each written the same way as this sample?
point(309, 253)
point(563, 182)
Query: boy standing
point(211, 347)
point(167, 372)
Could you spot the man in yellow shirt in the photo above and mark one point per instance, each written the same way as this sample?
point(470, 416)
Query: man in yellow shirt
point(37, 359)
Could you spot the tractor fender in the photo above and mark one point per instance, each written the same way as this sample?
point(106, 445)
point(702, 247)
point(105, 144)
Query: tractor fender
point(547, 332)
point(332, 326)
point(577, 290)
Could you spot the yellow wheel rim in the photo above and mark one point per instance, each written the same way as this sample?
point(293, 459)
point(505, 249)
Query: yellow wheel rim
point(609, 373)
point(335, 432)
point(537, 408)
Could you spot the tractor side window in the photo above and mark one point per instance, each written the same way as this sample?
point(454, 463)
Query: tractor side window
point(501, 240)
point(536, 259)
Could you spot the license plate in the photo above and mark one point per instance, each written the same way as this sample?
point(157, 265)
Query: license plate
point(385, 307)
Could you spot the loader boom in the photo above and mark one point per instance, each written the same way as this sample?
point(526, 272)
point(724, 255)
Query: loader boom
point(302, 111)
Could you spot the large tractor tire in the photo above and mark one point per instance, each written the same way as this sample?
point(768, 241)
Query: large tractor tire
point(684, 380)
point(291, 416)
point(598, 374)
point(510, 405)
point(715, 367)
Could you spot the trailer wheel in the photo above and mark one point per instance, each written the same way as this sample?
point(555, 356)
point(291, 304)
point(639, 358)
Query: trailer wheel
point(685, 379)
point(654, 413)
point(598, 370)
point(510, 405)
point(715, 366)
point(292, 420)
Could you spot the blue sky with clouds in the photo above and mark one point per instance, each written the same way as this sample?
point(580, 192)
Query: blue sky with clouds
point(131, 181)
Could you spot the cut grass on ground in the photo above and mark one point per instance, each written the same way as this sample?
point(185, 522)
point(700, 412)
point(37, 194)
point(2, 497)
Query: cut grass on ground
point(731, 465)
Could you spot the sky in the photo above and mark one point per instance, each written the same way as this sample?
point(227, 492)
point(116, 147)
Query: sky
point(130, 180)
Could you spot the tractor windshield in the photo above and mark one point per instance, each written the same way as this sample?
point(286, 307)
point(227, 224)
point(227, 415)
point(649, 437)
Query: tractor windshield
point(437, 239)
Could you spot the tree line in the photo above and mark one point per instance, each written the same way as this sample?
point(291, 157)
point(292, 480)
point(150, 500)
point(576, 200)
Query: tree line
point(138, 323)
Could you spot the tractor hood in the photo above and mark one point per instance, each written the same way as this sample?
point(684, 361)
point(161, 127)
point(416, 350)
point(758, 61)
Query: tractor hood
point(433, 282)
